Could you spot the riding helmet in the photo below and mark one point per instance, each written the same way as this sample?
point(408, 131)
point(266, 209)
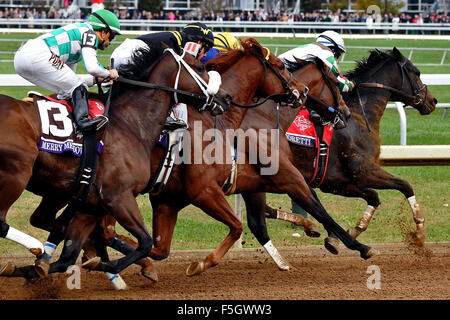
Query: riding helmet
point(104, 20)
point(197, 31)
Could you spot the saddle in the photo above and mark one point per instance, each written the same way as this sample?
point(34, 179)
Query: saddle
point(306, 133)
point(59, 136)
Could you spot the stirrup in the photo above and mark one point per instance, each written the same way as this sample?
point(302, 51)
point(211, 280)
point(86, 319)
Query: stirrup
point(103, 122)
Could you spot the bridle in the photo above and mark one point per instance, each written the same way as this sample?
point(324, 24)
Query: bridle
point(211, 102)
point(334, 109)
point(336, 112)
point(291, 96)
point(416, 97)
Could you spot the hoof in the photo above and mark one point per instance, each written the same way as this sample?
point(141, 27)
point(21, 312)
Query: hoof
point(284, 267)
point(418, 238)
point(354, 232)
point(195, 268)
point(41, 267)
point(150, 274)
point(369, 253)
point(312, 231)
point(7, 269)
point(332, 245)
point(92, 264)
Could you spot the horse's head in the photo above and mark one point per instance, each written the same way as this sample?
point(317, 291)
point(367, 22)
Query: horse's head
point(261, 72)
point(392, 71)
point(324, 94)
point(417, 93)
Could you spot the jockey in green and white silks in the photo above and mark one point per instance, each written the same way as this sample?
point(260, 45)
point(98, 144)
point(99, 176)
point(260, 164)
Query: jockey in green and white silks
point(328, 47)
point(50, 61)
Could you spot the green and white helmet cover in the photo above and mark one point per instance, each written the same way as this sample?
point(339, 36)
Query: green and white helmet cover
point(110, 18)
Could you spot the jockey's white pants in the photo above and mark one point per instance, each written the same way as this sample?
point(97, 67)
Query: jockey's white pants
point(33, 61)
point(123, 53)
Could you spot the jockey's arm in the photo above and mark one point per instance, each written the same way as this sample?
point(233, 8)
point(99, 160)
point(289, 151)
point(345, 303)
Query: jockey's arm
point(89, 81)
point(345, 85)
point(93, 67)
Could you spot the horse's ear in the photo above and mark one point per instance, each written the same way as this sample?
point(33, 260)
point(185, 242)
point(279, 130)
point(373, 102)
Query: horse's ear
point(397, 54)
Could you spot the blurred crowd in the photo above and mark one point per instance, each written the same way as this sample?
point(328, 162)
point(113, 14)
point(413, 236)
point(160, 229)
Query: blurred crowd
point(257, 15)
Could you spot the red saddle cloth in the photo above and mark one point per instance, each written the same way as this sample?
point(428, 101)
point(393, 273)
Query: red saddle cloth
point(96, 108)
point(303, 132)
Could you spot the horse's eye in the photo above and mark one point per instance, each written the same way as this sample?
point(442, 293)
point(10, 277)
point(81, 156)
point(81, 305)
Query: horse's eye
point(282, 67)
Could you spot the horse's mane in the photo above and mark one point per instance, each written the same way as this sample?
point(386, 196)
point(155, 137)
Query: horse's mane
point(227, 59)
point(141, 62)
point(293, 66)
point(365, 67)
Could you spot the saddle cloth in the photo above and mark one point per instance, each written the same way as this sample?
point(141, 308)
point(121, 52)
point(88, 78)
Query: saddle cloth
point(304, 133)
point(58, 128)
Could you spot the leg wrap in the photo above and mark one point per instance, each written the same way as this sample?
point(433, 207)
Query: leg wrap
point(419, 218)
point(363, 223)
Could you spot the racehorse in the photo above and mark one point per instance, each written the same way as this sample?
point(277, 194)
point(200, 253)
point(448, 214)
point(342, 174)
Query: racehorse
point(202, 184)
point(137, 118)
point(354, 158)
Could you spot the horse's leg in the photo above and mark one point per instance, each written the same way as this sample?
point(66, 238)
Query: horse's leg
point(164, 219)
point(100, 249)
point(126, 211)
point(378, 178)
point(77, 233)
point(13, 180)
point(255, 204)
point(44, 218)
point(106, 234)
point(309, 227)
point(293, 183)
point(213, 202)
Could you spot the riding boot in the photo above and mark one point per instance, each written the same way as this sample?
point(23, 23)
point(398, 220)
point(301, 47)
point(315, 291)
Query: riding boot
point(314, 116)
point(81, 111)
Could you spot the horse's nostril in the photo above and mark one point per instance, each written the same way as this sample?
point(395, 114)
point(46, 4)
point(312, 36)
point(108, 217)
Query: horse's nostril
point(435, 101)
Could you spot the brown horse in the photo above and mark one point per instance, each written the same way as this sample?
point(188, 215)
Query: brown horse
point(202, 184)
point(354, 165)
point(137, 118)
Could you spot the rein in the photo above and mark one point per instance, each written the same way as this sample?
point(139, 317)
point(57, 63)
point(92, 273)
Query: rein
point(278, 97)
point(416, 97)
point(158, 87)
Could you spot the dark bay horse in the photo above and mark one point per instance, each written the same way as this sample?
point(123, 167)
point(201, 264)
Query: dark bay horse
point(354, 166)
point(137, 118)
point(202, 184)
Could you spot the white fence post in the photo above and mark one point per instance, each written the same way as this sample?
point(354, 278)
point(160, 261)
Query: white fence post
point(402, 114)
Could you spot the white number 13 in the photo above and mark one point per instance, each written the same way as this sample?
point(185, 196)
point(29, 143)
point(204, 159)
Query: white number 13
point(62, 116)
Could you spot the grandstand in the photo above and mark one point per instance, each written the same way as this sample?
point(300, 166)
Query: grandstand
point(411, 6)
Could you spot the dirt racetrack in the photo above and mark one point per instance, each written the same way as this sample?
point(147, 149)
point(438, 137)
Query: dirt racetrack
point(249, 274)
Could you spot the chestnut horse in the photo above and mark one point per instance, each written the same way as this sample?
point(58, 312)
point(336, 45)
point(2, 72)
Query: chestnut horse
point(202, 184)
point(354, 161)
point(137, 118)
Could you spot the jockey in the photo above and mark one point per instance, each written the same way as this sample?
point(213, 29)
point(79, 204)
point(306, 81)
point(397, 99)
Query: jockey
point(195, 32)
point(328, 47)
point(223, 42)
point(50, 61)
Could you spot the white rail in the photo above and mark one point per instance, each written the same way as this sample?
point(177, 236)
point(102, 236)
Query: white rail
point(288, 28)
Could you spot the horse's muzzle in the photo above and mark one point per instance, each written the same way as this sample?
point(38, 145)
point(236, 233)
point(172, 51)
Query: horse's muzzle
point(296, 98)
point(220, 104)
